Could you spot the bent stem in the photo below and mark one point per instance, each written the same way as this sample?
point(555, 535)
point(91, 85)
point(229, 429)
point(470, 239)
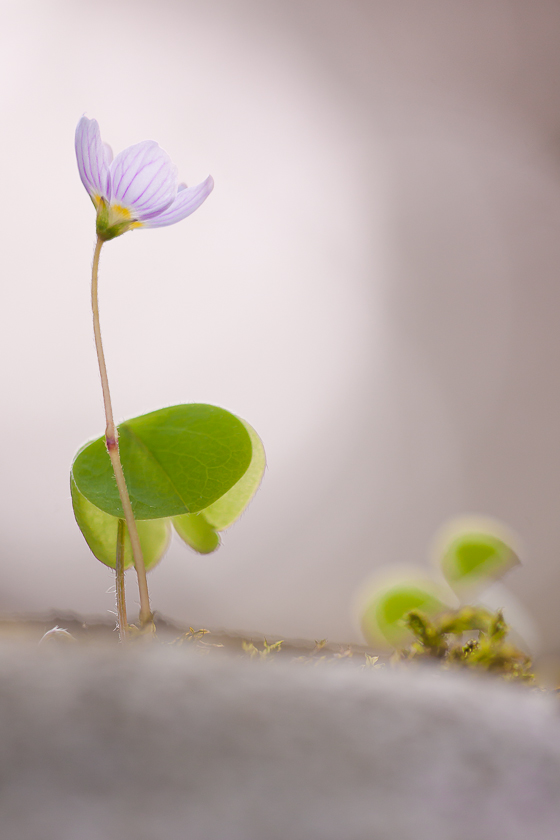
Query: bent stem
point(119, 588)
point(112, 443)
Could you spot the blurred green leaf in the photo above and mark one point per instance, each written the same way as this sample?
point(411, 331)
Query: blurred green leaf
point(176, 460)
point(100, 532)
point(474, 558)
point(200, 530)
point(383, 618)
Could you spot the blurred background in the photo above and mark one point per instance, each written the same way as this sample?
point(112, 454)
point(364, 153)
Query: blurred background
point(374, 285)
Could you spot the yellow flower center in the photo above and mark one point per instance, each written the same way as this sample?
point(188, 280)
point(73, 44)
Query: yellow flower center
point(113, 219)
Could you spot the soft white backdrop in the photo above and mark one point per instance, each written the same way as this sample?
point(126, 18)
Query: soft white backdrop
point(373, 285)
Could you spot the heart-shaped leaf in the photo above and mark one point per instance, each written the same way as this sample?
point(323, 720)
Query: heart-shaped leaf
point(100, 532)
point(176, 460)
point(199, 530)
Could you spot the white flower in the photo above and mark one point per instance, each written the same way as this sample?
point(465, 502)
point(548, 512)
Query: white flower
point(137, 189)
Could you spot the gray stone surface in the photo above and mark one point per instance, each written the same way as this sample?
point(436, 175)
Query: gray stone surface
point(163, 744)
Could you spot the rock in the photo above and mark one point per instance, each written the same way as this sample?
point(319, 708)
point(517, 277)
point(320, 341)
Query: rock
point(159, 743)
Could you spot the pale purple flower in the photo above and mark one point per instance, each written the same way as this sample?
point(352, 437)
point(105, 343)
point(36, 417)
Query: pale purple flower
point(137, 189)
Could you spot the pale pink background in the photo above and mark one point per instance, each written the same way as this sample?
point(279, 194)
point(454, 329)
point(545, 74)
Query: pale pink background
point(374, 285)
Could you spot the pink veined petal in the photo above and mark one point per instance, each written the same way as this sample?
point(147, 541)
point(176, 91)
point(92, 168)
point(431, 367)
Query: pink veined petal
point(143, 179)
point(93, 165)
point(188, 200)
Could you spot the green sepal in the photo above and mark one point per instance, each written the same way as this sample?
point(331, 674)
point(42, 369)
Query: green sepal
point(100, 533)
point(106, 227)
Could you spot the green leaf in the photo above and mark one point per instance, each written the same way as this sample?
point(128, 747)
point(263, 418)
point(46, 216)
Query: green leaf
point(196, 532)
point(474, 558)
point(199, 530)
point(383, 617)
point(176, 460)
point(100, 532)
point(229, 507)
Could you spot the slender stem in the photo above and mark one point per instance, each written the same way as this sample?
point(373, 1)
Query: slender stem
point(112, 442)
point(119, 576)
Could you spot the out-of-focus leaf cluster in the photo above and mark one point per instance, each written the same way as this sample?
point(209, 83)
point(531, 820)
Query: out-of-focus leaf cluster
point(440, 616)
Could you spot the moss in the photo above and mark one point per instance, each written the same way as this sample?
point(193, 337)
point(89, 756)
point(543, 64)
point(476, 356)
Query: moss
point(485, 649)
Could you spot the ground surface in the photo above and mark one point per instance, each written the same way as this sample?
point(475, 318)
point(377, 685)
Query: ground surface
point(93, 631)
point(163, 741)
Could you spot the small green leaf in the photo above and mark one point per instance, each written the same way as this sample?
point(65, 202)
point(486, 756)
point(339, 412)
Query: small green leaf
point(199, 530)
point(473, 558)
point(196, 532)
point(383, 617)
point(100, 532)
point(176, 460)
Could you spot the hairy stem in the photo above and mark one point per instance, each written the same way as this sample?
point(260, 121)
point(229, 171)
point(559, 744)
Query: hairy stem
point(119, 578)
point(112, 442)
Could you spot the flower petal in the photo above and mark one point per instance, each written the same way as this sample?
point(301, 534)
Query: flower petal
point(92, 159)
point(144, 179)
point(108, 154)
point(188, 200)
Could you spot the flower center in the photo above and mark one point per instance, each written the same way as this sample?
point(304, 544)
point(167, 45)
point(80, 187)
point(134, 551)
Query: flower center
point(113, 220)
point(118, 214)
